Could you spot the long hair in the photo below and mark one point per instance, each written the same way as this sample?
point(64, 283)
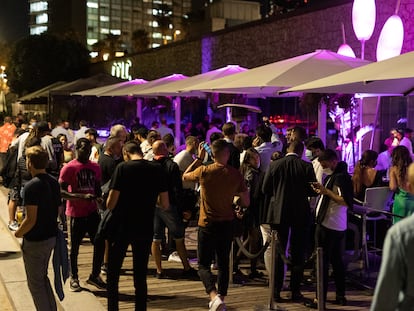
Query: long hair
point(401, 158)
point(367, 160)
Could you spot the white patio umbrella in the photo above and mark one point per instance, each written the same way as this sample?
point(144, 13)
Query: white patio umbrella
point(267, 80)
point(393, 76)
point(176, 88)
point(98, 91)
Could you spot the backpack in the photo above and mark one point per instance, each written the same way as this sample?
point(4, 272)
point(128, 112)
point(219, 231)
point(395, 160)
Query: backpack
point(9, 169)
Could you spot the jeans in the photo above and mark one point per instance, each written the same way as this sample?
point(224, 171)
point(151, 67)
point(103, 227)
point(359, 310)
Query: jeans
point(215, 239)
point(77, 227)
point(140, 254)
point(168, 218)
point(36, 255)
point(333, 245)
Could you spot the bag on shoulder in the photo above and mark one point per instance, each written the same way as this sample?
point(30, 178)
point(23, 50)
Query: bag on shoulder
point(10, 167)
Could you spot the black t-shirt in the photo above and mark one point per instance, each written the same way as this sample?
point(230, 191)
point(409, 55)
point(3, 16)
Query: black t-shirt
point(108, 165)
point(139, 183)
point(174, 181)
point(44, 192)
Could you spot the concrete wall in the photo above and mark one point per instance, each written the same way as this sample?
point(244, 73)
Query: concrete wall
point(269, 40)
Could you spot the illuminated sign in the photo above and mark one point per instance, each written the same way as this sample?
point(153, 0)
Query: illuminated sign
point(120, 69)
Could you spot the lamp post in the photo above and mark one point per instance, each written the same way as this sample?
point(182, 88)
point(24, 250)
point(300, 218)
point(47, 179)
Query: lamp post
point(3, 87)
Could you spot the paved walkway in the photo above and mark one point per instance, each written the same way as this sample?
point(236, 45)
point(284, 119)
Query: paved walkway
point(14, 293)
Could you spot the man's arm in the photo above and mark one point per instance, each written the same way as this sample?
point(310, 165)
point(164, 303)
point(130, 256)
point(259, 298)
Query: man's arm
point(163, 200)
point(72, 196)
point(112, 200)
point(28, 222)
point(244, 200)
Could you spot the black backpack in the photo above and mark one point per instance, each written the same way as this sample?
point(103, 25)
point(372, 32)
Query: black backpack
point(9, 170)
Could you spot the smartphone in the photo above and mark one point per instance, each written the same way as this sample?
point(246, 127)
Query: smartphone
point(208, 149)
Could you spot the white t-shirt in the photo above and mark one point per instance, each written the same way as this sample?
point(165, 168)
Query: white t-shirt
point(336, 215)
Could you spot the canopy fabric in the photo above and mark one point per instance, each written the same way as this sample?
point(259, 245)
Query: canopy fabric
point(42, 93)
point(267, 80)
point(85, 83)
point(394, 76)
point(132, 89)
point(176, 88)
point(98, 91)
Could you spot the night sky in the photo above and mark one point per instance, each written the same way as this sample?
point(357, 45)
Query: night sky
point(13, 20)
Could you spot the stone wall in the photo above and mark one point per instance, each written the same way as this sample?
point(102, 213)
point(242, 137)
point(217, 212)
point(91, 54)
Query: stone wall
point(269, 40)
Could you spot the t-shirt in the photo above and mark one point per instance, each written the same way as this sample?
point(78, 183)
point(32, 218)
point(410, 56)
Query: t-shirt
point(6, 136)
point(44, 192)
point(184, 159)
point(81, 178)
point(219, 184)
point(139, 183)
point(108, 165)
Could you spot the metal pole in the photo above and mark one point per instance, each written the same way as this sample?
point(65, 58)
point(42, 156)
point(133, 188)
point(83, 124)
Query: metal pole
point(231, 265)
point(319, 278)
point(371, 144)
point(272, 271)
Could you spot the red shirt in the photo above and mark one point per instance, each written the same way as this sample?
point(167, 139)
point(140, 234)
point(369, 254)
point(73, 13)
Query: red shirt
point(6, 136)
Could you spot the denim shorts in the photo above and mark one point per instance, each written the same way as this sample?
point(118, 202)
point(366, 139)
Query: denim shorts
point(170, 219)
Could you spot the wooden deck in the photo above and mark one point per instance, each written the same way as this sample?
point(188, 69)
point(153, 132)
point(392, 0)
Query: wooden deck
point(180, 294)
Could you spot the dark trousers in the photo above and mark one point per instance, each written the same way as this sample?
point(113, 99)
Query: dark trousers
point(333, 245)
point(140, 254)
point(297, 236)
point(215, 240)
point(78, 226)
point(36, 255)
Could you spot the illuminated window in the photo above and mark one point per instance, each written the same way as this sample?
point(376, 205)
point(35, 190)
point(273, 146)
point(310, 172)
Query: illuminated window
point(104, 18)
point(153, 12)
point(92, 5)
point(116, 32)
point(105, 30)
point(92, 41)
point(38, 6)
point(155, 45)
point(42, 18)
point(157, 35)
point(168, 37)
point(153, 23)
point(38, 30)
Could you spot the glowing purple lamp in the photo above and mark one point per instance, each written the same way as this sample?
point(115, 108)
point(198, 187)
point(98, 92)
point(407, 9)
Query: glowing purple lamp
point(363, 21)
point(345, 49)
point(391, 38)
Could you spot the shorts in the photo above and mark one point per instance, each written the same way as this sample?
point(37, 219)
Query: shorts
point(170, 219)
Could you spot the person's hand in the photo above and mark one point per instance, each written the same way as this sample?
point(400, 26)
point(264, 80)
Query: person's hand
point(187, 215)
point(201, 151)
point(89, 196)
point(319, 188)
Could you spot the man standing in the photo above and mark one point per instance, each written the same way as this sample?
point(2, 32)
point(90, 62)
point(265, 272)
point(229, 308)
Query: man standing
point(266, 148)
point(171, 218)
point(287, 184)
point(134, 188)
point(219, 184)
point(80, 182)
point(81, 132)
point(229, 132)
point(6, 136)
point(331, 221)
point(41, 198)
point(395, 280)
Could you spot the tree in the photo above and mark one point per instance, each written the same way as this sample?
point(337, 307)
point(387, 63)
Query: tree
point(140, 40)
point(110, 45)
point(39, 60)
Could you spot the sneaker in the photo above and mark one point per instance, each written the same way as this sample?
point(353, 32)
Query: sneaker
point(13, 226)
point(341, 300)
point(174, 257)
point(74, 285)
point(104, 268)
point(97, 282)
point(217, 304)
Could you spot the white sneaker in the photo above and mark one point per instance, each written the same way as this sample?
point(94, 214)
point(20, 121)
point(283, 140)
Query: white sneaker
point(13, 226)
point(174, 257)
point(217, 304)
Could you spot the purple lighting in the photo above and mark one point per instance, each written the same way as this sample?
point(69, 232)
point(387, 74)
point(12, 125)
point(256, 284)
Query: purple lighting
point(206, 57)
point(363, 18)
point(391, 38)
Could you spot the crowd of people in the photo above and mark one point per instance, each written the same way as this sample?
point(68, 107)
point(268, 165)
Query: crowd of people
point(290, 185)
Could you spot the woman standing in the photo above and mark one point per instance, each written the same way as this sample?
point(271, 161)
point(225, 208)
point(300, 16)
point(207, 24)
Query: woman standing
point(403, 200)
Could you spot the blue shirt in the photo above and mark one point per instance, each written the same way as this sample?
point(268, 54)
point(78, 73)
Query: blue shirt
point(395, 284)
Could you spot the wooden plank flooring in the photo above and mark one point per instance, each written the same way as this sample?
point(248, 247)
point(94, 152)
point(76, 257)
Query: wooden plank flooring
point(180, 294)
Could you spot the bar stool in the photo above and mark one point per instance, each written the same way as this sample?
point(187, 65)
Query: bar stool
point(376, 205)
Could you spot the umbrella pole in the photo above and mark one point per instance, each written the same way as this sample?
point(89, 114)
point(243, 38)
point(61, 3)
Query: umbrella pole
point(371, 144)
